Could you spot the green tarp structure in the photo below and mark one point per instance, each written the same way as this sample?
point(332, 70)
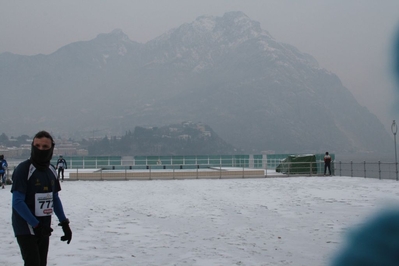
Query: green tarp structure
point(298, 164)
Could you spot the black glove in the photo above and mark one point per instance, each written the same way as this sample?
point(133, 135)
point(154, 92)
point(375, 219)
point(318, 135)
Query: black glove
point(41, 230)
point(67, 231)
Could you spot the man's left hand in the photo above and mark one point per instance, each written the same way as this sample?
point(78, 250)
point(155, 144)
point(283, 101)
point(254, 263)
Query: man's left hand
point(67, 231)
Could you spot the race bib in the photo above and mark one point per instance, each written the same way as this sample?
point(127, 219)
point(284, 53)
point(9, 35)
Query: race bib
point(43, 204)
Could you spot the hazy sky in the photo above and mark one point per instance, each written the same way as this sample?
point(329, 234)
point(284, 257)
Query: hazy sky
point(351, 38)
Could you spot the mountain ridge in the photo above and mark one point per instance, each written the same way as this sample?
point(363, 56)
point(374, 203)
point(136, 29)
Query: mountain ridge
point(227, 72)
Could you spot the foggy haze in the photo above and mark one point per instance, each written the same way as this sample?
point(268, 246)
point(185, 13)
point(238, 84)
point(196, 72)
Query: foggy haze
point(353, 39)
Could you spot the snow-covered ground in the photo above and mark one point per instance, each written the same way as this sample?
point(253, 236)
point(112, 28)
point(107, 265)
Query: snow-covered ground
point(269, 221)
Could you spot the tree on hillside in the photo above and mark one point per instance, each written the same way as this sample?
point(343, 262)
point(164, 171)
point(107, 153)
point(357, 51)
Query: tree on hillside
point(4, 139)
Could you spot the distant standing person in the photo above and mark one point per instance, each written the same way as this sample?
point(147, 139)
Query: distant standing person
point(61, 165)
point(3, 169)
point(327, 163)
point(34, 199)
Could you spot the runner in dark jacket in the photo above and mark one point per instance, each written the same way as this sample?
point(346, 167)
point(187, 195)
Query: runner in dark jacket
point(3, 169)
point(35, 198)
point(61, 165)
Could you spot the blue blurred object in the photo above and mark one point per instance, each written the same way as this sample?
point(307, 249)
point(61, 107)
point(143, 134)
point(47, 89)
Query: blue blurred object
point(376, 243)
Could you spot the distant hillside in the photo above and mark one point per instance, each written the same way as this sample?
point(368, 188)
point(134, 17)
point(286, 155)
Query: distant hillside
point(255, 92)
point(179, 139)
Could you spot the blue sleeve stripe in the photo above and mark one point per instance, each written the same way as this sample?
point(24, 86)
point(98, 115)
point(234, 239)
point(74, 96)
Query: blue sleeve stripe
point(19, 205)
point(58, 209)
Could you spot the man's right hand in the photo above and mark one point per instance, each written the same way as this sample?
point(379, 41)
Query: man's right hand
point(41, 230)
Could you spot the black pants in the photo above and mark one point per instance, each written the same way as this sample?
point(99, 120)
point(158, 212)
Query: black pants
point(34, 249)
point(61, 169)
point(327, 165)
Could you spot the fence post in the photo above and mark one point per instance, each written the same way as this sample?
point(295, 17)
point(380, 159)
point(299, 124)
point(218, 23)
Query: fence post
point(310, 168)
point(149, 169)
point(364, 162)
point(351, 169)
point(379, 170)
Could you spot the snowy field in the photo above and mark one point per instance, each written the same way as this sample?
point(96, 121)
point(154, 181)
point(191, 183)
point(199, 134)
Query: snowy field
point(271, 221)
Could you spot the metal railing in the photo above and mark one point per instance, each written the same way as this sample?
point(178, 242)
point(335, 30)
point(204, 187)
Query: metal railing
point(380, 170)
point(173, 172)
point(365, 169)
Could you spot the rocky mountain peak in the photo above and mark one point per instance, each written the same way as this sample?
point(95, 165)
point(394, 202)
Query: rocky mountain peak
point(115, 35)
point(241, 23)
point(209, 29)
point(227, 72)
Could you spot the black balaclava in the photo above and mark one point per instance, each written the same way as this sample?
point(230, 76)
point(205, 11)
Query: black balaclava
point(41, 158)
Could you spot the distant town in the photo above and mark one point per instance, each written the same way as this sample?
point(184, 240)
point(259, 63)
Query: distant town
point(20, 147)
point(186, 138)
